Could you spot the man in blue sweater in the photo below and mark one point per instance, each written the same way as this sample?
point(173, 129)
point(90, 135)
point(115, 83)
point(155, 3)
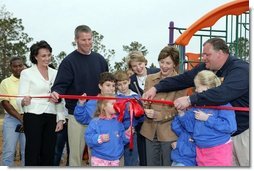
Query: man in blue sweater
point(234, 89)
point(78, 73)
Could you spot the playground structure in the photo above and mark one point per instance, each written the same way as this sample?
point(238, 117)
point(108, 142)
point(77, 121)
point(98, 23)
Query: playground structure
point(235, 17)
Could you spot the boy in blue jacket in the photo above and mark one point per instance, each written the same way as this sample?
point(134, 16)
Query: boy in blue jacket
point(85, 109)
point(131, 157)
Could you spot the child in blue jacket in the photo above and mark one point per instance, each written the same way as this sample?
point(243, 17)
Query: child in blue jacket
point(211, 128)
point(106, 136)
point(131, 157)
point(84, 109)
point(184, 149)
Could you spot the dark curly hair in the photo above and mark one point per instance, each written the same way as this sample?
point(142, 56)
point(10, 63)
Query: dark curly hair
point(106, 76)
point(34, 49)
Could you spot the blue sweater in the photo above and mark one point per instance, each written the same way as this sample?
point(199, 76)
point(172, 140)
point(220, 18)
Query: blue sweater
point(126, 118)
point(185, 151)
point(78, 74)
point(215, 131)
point(114, 148)
point(85, 113)
point(234, 88)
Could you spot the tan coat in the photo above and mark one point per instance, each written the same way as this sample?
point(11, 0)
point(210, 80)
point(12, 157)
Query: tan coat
point(161, 126)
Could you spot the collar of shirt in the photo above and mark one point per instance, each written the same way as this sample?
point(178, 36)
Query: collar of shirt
point(106, 118)
point(15, 79)
point(130, 93)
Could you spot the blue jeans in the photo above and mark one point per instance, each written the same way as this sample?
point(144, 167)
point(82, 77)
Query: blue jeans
point(10, 140)
point(131, 156)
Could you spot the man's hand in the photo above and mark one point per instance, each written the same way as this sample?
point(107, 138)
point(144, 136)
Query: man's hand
point(20, 117)
point(182, 103)
point(150, 93)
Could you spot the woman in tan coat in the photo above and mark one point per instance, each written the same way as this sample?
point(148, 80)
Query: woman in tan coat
point(157, 125)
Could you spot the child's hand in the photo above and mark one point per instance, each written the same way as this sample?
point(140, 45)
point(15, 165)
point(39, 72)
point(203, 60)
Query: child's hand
point(180, 112)
point(104, 137)
point(82, 101)
point(202, 116)
point(128, 131)
point(173, 144)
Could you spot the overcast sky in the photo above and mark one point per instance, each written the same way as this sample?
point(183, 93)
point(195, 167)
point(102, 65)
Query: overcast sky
point(119, 21)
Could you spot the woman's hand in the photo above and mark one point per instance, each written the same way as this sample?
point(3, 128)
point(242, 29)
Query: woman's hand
point(150, 113)
point(26, 101)
point(59, 126)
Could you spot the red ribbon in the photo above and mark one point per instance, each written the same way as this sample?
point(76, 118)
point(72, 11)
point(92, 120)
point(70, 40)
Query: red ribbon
point(243, 109)
point(135, 110)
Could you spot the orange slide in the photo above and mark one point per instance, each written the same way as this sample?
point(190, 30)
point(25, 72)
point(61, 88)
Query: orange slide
point(236, 7)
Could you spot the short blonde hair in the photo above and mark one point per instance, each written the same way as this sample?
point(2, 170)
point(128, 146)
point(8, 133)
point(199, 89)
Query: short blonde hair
point(121, 76)
point(207, 78)
point(136, 56)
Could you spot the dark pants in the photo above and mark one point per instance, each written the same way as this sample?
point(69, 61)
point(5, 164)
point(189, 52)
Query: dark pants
point(158, 152)
point(40, 139)
point(141, 142)
point(131, 156)
point(61, 140)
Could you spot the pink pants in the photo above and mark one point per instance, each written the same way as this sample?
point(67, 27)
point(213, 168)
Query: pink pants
point(221, 155)
point(95, 161)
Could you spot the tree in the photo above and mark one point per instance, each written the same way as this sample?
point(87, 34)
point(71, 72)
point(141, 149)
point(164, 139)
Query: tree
point(134, 46)
point(122, 65)
point(241, 48)
point(101, 48)
point(152, 66)
point(56, 60)
point(13, 40)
